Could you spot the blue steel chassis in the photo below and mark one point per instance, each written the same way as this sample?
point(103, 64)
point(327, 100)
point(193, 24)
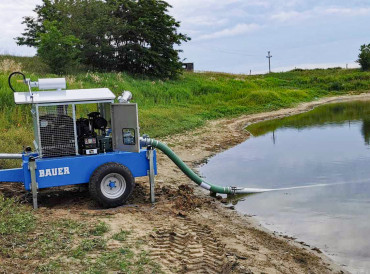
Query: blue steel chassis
point(37, 173)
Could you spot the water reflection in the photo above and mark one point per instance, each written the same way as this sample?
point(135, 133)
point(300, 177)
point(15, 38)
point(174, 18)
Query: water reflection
point(328, 145)
point(339, 114)
point(366, 130)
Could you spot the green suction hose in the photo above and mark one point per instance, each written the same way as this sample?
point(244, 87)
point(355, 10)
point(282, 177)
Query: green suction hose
point(192, 175)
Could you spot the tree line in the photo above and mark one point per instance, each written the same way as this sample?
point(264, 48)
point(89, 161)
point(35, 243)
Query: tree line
point(136, 36)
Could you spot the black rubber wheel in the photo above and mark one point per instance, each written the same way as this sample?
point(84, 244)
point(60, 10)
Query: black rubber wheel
point(111, 184)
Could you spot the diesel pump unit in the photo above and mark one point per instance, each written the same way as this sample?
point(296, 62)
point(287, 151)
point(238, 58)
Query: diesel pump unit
point(88, 136)
point(81, 136)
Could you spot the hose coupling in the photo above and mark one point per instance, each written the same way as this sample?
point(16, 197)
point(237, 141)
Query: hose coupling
point(233, 190)
point(145, 140)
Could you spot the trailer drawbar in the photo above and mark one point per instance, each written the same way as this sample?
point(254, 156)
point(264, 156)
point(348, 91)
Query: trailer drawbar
point(88, 136)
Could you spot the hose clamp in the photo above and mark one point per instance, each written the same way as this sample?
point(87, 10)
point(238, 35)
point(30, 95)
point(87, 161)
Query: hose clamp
point(233, 190)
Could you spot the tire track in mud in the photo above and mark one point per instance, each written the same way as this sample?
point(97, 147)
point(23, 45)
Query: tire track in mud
point(188, 247)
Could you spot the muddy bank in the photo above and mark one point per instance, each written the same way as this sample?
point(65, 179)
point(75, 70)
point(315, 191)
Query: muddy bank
point(187, 230)
point(266, 252)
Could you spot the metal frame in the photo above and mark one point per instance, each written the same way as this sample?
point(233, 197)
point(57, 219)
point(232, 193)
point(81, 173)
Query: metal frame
point(76, 103)
point(36, 117)
point(34, 187)
point(36, 129)
point(151, 173)
point(75, 126)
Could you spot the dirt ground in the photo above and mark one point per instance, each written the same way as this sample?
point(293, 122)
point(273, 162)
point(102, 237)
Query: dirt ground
point(187, 230)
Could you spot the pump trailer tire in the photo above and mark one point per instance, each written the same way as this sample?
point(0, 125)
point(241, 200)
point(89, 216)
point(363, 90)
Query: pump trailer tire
point(111, 184)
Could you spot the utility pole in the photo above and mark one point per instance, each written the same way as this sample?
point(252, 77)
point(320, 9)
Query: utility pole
point(269, 56)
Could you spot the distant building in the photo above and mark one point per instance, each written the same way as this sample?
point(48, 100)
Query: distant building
point(188, 66)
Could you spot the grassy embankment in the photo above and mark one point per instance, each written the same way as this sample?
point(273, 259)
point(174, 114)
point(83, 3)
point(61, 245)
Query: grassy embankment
point(166, 107)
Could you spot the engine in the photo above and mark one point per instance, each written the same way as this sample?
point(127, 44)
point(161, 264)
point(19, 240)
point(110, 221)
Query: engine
point(92, 135)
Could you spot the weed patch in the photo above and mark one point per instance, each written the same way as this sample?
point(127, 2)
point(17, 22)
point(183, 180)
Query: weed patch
point(15, 218)
point(100, 229)
point(121, 236)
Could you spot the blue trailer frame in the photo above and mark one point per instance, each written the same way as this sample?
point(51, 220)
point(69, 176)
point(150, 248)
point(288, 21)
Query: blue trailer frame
point(74, 170)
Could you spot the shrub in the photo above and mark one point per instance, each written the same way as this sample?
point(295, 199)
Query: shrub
point(262, 97)
point(336, 86)
point(364, 57)
point(57, 50)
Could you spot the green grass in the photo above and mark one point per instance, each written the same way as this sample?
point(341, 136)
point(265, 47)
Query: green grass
point(124, 260)
point(173, 106)
point(34, 243)
point(87, 245)
point(121, 236)
point(100, 229)
point(14, 220)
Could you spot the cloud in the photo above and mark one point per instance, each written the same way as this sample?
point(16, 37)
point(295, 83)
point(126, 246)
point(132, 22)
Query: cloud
point(228, 32)
point(293, 15)
point(182, 5)
point(290, 15)
point(205, 21)
point(347, 11)
point(12, 13)
point(208, 21)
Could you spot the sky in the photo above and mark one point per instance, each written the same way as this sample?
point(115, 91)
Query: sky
point(235, 35)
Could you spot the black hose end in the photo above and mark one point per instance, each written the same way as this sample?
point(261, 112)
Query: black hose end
point(10, 77)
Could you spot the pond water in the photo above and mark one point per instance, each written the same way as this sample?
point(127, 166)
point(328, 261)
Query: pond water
point(328, 149)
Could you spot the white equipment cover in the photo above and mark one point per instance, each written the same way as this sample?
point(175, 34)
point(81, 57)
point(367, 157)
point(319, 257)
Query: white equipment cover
point(61, 96)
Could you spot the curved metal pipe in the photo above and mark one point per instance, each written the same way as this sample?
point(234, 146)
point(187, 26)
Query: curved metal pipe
point(193, 176)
